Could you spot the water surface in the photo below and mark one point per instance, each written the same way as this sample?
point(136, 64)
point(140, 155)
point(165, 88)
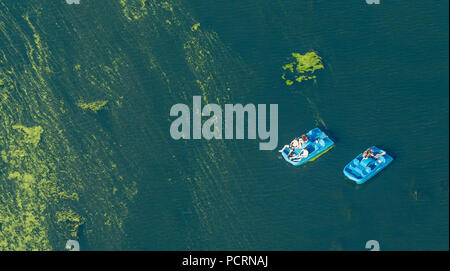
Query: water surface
point(118, 171)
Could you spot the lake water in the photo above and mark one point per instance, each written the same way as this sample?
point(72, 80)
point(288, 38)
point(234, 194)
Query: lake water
point(116, 180)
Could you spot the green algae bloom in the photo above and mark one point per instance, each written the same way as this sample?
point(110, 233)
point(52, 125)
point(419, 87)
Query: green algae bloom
point(72, 219)
point(302, 68)
point(134, 10)
point(195, 27)
point(32, 135)
point(93, 106)
point(49, 186)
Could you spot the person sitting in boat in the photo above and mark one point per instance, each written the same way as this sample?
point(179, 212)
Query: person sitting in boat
point(303, 154)
point(303, 141)
point(293, 145)
point(369, 154)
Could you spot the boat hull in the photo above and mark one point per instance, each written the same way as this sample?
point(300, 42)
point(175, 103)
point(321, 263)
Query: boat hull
point(360, 171)
point(315, 149)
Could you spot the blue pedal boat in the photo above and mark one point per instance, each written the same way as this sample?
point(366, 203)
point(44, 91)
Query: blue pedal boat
point(360, 170)
point(318, 144)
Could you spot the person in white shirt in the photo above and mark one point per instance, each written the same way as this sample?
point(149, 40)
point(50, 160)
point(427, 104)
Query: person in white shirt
point(295, 143)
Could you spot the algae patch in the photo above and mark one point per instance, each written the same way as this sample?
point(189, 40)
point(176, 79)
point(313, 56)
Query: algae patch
point(302, 68)
point(56, 175)
point(134, 10)
point(195, 27)
point(93, 106)
point(32, 135)
point(72, 220)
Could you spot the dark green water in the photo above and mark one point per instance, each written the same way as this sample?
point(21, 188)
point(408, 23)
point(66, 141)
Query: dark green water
point(119, 174)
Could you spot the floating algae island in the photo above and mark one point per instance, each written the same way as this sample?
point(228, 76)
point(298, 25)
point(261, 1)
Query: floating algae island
point(302, 68)
point(93, 106)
